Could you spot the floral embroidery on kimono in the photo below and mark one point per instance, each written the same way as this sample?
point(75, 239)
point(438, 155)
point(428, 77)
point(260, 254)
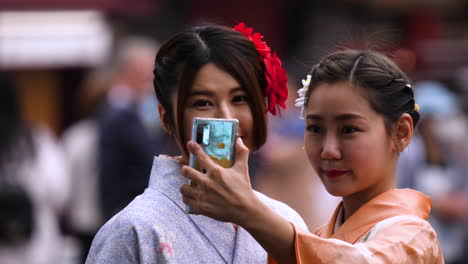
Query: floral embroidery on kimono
point(167, 240)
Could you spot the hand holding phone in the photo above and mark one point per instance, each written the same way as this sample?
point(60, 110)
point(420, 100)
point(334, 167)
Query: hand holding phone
point(217, 137)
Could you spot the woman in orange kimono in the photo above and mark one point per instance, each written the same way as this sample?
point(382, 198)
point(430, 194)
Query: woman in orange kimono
point(360, 114)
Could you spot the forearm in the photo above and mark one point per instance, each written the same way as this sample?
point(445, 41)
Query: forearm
point(226, 195)
point(274, 233)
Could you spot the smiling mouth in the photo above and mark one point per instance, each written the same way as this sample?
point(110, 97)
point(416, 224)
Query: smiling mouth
point(332, 174)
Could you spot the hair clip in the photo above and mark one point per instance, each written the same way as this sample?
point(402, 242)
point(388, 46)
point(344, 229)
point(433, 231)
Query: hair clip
point(416, 107)
point(300, 102)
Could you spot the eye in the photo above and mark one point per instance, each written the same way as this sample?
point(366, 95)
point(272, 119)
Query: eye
point(349, 130)
point(202, 104)
point(314, 129)
point(239, 99)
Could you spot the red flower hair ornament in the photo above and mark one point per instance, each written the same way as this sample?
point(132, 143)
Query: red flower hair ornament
point(277, 89)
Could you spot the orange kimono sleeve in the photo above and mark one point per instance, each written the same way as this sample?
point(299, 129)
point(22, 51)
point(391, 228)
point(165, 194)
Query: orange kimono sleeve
point(409, 240)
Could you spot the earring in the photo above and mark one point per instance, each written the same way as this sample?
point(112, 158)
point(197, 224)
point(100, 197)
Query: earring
point(303, 147)
point(398, 147)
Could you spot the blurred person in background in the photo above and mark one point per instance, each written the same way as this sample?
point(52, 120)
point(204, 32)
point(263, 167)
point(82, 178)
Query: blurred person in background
point(435, 163)
point(31, 159)
point(80, 141)
point(128, 135)
point(214, 72)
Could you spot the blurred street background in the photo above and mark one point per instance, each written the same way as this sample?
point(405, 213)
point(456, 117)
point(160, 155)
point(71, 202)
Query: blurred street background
point(77, 104)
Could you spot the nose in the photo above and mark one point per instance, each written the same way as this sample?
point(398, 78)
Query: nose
point(330, 148)
point(225, 111)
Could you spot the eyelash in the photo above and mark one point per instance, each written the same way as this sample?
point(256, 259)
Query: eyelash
point(236, 98)
point(206, 103)
point(354, 130)
point(317, 129)
point(202, 103)
point(313, 129)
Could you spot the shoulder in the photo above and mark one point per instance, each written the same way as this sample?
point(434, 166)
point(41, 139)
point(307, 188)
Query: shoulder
point(147, 210)
point(116, 241)
point(283, 209)
point(126, 224)
point(126, 237)
point(80, 139)
point(84, 128)
point(111, 114)
point(407, 229)
point(404, 239)
point(403, 221)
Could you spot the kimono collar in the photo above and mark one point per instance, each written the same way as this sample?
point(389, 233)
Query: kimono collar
point(388, 204)
point(234, 246)
point(167, 178)
point(339, 219)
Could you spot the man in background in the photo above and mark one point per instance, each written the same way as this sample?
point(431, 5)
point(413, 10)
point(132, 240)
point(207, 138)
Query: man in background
point(129, 135)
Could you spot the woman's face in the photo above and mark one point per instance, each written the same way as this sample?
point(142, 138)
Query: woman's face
point(347, 143)
point(216, 94)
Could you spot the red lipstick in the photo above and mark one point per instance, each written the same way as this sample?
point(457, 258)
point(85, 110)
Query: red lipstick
point(334, 173)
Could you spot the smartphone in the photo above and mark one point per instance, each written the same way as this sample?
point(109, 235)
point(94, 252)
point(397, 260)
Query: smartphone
point(217, 137)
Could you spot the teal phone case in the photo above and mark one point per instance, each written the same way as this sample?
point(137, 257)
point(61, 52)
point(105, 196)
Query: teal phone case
point(217, 137)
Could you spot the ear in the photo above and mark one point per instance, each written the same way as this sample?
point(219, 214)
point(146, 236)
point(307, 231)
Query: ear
point(403, 132)
point(164, 119)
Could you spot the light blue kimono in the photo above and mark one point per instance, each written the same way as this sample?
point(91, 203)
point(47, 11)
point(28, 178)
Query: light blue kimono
point(154, 228)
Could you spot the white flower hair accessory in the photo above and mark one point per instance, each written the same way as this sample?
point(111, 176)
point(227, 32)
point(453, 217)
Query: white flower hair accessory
point(300, 102)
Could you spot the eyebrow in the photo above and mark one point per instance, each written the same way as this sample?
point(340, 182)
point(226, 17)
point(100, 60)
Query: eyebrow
point(210, 93)
point(338, 118)
point(205, 93)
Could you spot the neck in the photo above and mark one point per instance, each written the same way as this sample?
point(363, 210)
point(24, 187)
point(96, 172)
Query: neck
point(353, 202)
point(351, 205)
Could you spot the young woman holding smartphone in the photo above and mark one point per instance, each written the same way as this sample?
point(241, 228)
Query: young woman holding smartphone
point(214, 72)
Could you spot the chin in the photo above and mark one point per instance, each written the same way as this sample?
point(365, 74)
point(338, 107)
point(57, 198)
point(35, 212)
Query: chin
point(338, 191)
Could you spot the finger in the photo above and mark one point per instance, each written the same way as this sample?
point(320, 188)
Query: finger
point(188, 201)
point(192, 174)
point(191, 204)
point(191, 197)
point(189, 192)
point(204, 160)
point(242, 154)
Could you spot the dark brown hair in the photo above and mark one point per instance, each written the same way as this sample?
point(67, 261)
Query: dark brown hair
point(181, 57)
point(386, 86)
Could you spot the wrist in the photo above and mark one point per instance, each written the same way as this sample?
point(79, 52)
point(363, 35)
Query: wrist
point(253, 214)
point(260, 220)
